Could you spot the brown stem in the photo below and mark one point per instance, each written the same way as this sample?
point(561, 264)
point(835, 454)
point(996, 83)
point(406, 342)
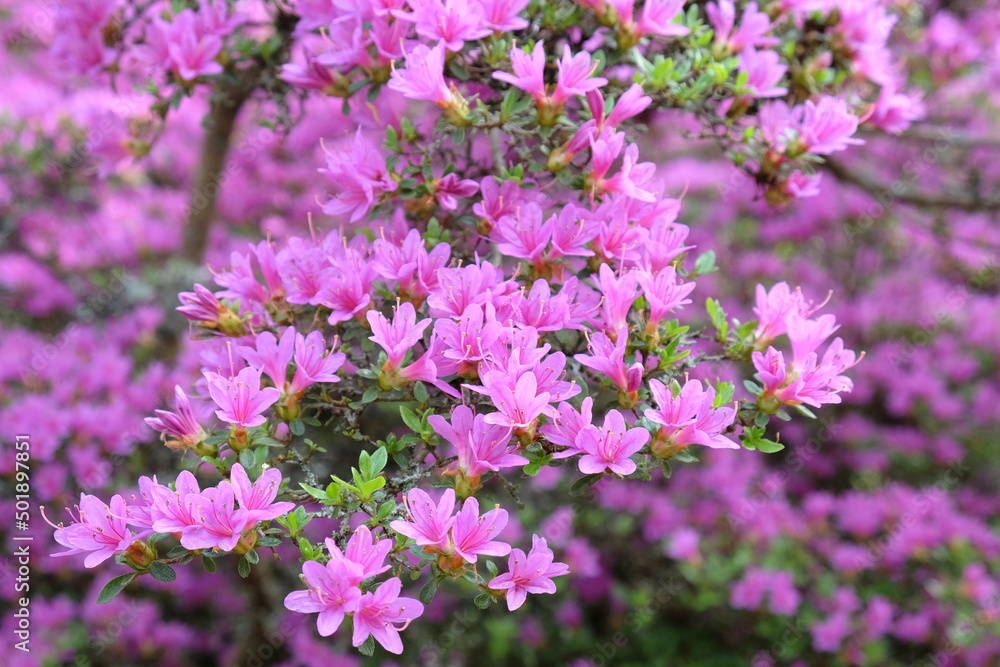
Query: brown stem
point(909, 195)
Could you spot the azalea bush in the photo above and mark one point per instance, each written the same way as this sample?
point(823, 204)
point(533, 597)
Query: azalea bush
point(502, 298)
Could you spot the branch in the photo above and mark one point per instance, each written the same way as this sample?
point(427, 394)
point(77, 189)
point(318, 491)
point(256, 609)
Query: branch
point(909, 195)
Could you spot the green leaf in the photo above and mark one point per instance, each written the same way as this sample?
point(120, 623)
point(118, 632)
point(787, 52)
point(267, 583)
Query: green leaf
point(769, 446)
point(379, 459)
point(420, 392)
point(269, 541)
point(114, 587)
point(411, 420)
point(161, 571)
point(582, 485)
point(753, 388)
point(428, 591)
point(368, 647)
point(370, 394)
point(492, 567)
point(666, 469)
point(247, 459)
point(318, 494)
point(365, 465)
point(385, 510)
point(252, 557)
point(483, 600)
point(209, 564)
point(243, 567)
point(297, 427)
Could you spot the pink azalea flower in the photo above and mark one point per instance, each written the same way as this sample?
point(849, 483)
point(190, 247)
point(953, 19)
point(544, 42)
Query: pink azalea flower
point(608, 448)
point(272, 355)
point(313, 75)
point(471, 533)
point(567, 424)
point(378, 613)
point(575, 76)
point(524, 234)
point(397, 337)
point(423, 78)
point(218, 524)
point(619, 292)
point(241, 400)
point(658, 19)
point(467, 340)
point(450, 22)
point(608, 360)
point(427, 523)
point(313, 362)
point(480, 446)
point(182, 425)
point(171, 510)
point(754, 25)
point(258, 498)
point(663, 292)
point(360, 175)
point(690, 418)
point(529, 574)
point(192, 50)
point(763, 73)
point(364, 554)
point(528, 72)
point(826, 127)
point(774, 309)
point(631, 176)
point(331, 592)
point(100, 531)
point(450, 189)
point(200, 305)
point(518, 402)
point(502, 15)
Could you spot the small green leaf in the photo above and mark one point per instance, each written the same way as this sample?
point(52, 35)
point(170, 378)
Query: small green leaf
point(428, 591)
point(114, 587)
point(483, 600)
point(420, 392)
point(209, 564)
point(582, 485)
point(252, 557)
point(379, 459)
point(492, 567)
point(243, 567)
point(161, 571)
point(370, 394)
point(297, 427)
point(411, 420)
point(769, 446)
point(247, 459)
point(368, 647)
point(705, 262)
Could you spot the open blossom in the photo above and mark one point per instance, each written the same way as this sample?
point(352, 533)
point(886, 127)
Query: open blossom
point(657, 18)
point(184, 46)
point(313, 362)
point(378, 614)
point(518, 401)
point(754, 25)
point(531, 573)
point(567, 424)
point(619, 292)
point(448, 22)
point(313, 75)
point(427, 522)
point(607, 359)
point(364, 551)
point(608, 448)
point(450, 189)
point(528, 73)
point(241, 400)
point(360, 176)
point(774, 309)
point(763, 72)
point(473, 534)
point(216, 521)
point(272, 355)
point(827, 126)
point(630, 177)
point(400, 335)
point(575, 76)
point(480, 446)
point(689, 418)
point(663, 292)
point(502, 15)
point(423, 78)
point(331, 592)
point(258, 498)
point(100, 531)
